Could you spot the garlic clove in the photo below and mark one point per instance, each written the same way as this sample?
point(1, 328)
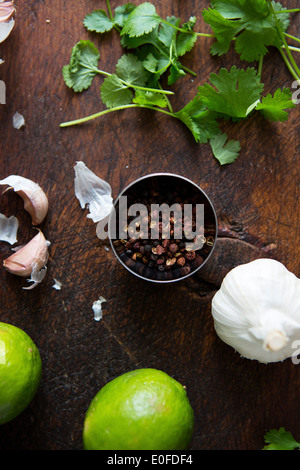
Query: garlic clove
point(7, 9)
point(35, 200)
point(31, 257)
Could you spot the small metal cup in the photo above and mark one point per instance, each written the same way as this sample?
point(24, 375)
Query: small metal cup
point(169, 186)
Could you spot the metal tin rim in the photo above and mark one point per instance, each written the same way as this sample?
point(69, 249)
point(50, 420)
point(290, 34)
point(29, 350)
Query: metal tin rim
point(174, 175)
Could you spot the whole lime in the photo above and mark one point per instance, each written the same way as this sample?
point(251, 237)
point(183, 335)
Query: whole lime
point(20, 371)
point(144, 409)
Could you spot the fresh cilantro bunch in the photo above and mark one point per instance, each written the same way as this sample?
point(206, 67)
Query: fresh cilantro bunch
point(280, 440)
point(154, 46)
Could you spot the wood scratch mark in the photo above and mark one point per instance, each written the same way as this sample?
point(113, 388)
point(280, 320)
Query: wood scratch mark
point(122, 345)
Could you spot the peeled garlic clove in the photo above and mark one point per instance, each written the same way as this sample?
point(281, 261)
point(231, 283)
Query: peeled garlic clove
point(31, 257)
point(257, 311)
point(35, 200)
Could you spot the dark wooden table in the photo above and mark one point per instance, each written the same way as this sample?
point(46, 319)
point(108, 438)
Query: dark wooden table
point(144, 325)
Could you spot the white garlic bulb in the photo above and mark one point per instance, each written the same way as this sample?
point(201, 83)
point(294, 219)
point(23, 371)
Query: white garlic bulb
point(257, 310)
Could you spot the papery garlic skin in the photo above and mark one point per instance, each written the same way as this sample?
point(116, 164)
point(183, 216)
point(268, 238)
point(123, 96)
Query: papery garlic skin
point(257, 310)
point(35, 200)
point(93, 192)
point(18, 120)
point(31, 257)
point(8, 229)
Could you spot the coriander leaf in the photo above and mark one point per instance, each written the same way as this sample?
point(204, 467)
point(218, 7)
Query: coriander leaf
point(280, 440)
point(130, 69)
point(273, 107)
point(224, 30)
point(141, 20)
point(166, 32)
point(199, 120)
point(80, 72)
point(156, 64)
point(249, 10)
point(224, 152)
point(122, 12)
point(250, 22)
point(186, 41)
point(98, 21)
point(150, 99)
point(235, 94)
point(150, 63)
point(114, 92)
point(145, 39)
point(251, 45)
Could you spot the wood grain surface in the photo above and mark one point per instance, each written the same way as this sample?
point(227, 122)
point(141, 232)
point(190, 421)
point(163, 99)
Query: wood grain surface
point(167, 327)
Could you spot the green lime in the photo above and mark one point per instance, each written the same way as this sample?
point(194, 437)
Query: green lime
point(20, 371)
point(144, 409)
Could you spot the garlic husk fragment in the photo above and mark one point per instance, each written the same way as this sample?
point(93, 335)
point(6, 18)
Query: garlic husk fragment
point(97, 308)
point(257, 310)
point(35, 200)
point(18, 120)
point(6, 29)
point(93, 192)
point(57, 285)
point(8, 229)
point(30, 260)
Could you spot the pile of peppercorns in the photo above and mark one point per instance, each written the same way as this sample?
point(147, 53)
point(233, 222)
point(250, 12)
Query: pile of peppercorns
point(163, 258)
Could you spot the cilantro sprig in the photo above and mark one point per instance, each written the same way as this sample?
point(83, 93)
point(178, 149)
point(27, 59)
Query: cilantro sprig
point(83, 67)
point(155, 46)
point(280, 440)
point(253, 26)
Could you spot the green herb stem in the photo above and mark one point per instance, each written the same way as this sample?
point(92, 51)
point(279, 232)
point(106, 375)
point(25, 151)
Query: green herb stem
point(102, 72)
point(292, 48)
point(191, 72)
point(288, 64)
point(109, 11)
point(260, 64)
point(110, 110)
point(167, 100)
point(137, 87)
point(187, 31)
point(293, 65)
point(150, 90)
point(292, 37)
point(292, 10)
